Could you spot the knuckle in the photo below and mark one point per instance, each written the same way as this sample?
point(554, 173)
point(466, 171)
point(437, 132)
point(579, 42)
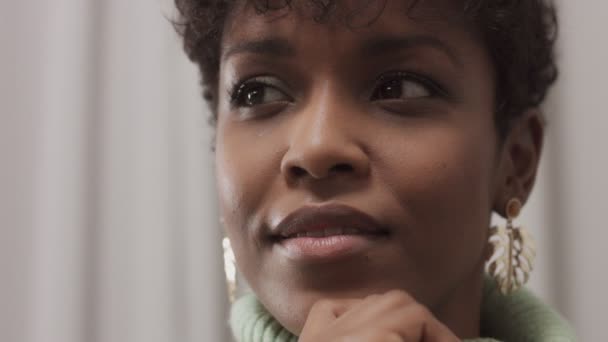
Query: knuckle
point(322, 305)
point(420, 311)
point(399, 296)
point(372, 297)
point(392, 337)
point(372, 335)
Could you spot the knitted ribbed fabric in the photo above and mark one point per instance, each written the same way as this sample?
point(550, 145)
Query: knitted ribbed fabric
point(519, 317)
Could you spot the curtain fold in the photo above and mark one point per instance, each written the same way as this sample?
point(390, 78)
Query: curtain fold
point(120, 239)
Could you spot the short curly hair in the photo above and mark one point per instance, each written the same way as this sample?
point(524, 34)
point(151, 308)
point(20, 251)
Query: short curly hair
point(520, 36)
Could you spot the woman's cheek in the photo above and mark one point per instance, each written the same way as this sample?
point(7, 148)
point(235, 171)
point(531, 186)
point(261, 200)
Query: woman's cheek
point(247, 167)
point(442, 184)
point(235, 189)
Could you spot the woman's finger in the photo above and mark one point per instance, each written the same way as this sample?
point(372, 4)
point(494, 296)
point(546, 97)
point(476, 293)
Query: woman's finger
point(324, 312)
point(417, 324)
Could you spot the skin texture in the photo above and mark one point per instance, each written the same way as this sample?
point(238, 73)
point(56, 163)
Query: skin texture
point(393, 316)
point(429, 166)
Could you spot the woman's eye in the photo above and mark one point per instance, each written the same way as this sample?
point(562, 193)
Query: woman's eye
point(401, 88)
point(256, 93)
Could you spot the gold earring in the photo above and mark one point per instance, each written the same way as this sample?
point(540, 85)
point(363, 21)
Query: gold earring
point(229, 269)
point(513, 251)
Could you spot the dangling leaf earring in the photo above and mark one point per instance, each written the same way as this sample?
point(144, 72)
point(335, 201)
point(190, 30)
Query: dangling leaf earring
point(229, 269)
point(513, 251)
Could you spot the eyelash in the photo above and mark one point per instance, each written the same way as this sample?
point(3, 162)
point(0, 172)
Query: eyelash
point(435, 89)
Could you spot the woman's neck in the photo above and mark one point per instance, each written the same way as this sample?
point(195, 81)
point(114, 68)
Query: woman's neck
point(460, 310)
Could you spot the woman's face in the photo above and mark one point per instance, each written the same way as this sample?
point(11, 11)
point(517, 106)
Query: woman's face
point(319, 121)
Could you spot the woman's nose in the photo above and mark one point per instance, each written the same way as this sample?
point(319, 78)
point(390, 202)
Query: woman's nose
point(321, 146)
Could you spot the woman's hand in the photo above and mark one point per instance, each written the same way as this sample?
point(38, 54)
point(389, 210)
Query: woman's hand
point(391, 317)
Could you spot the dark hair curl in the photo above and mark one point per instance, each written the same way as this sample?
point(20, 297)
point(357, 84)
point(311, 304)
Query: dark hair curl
point(519, 34)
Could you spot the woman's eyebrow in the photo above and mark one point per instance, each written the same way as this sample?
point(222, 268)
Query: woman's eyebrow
point(277, 47)
point(388, 44)
point(376, 46)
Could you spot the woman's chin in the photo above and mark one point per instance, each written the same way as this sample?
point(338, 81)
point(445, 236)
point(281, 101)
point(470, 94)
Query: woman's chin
point(290, 300)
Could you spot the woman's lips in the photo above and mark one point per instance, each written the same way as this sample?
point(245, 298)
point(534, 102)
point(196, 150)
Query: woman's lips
point(327, 232)
point(324, 249)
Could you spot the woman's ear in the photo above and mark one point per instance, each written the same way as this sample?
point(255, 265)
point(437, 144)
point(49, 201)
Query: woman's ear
point(519, 159)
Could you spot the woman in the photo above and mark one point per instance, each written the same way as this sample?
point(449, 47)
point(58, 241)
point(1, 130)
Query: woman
point(361, 148)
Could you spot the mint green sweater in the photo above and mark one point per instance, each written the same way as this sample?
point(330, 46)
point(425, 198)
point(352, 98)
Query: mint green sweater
point(519, 317)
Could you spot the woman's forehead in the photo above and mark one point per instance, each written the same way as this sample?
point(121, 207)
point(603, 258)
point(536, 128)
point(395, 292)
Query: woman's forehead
point(351, 24)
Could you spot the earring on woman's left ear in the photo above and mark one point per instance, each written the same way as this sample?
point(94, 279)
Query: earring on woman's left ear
point(513, 252)
point(229, 269)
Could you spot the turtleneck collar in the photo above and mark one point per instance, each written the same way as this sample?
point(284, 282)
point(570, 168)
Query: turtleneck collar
point(519, 317)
